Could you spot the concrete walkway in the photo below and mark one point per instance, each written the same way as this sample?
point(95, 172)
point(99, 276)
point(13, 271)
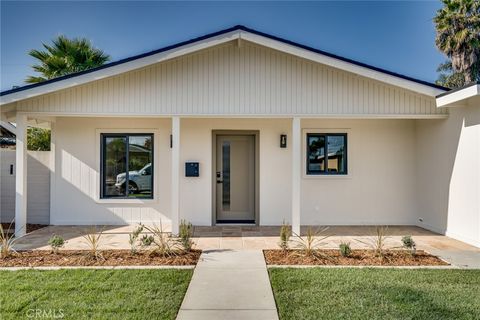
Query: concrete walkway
point(229, 284)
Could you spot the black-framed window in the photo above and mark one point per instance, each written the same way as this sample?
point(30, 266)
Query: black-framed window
point(326, 153)
point(126, 165)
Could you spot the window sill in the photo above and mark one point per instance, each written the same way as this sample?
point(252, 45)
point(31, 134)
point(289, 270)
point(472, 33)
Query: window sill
point(327, 176)
point(126, 201)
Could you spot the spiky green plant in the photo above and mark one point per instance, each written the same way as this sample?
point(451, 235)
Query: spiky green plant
point(165, 244)
point(378, 242)
point(313, 240)
point(6, 242)
point(92, 239)
point(285, 234)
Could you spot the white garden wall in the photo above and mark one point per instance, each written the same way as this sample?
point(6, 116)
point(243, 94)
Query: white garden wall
point(38, 184)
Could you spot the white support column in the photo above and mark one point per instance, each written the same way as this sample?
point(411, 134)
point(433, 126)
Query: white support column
point(53, 160)
point(21, 176)
point(175, 213)
point(296, 173)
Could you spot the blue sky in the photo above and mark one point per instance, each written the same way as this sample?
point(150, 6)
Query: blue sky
point(397, 36)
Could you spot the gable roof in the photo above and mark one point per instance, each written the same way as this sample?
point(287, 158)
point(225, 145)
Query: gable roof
point(235, 33)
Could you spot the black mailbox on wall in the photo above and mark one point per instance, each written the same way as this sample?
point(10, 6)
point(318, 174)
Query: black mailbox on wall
point(192, 169)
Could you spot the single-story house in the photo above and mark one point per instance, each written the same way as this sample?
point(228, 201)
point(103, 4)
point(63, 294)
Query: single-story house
point(240, 126)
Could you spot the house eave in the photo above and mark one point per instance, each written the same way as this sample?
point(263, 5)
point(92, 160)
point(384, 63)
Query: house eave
point(469, 95)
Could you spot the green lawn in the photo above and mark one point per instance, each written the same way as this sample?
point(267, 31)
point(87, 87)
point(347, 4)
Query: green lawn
point(318, 293)
point(93, 294)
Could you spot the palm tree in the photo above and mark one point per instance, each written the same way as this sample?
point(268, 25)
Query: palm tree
point(458, 35)
point(448, 77)
point(65, 56)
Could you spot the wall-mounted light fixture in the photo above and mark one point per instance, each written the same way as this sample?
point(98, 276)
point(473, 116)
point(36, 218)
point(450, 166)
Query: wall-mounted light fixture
point(283, 141)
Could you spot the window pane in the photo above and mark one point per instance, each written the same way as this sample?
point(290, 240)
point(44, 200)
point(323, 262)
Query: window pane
point(140, 166)
point(336, 154)
point(226, 175)
point(316, 153)
point(115, 164)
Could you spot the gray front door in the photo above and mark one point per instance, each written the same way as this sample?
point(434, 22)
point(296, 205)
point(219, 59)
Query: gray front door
point(235, 178)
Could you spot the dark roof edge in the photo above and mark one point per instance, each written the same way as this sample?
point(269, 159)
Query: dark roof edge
point(458, 89)
point(210, 35)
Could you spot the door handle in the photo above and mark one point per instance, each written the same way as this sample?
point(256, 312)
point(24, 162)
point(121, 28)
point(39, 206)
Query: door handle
point(219, 177)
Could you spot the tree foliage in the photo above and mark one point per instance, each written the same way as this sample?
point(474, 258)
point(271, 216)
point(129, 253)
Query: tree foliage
point(65, 56)
point(458, 36)
point(38, 139)
point(448, 77)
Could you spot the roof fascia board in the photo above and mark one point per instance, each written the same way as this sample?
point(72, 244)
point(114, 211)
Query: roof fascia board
point(456, 97)
point(339, 64)
point(121, 68)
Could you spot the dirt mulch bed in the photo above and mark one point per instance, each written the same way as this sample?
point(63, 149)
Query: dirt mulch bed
point(43, 258)
point(357, 258)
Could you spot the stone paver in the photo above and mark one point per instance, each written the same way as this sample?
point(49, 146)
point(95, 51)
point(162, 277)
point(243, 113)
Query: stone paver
point(229, 284)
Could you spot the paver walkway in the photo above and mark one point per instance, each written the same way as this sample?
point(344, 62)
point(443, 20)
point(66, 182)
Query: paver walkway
point(229, 284)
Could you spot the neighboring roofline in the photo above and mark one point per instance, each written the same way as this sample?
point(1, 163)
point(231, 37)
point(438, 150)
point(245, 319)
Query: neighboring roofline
point(8, 126)
point(458, 89)
point(209, 36)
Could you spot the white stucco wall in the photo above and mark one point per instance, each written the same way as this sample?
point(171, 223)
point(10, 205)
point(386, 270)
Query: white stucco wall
point(77, 161)
point(380, 187)
point(448, 174)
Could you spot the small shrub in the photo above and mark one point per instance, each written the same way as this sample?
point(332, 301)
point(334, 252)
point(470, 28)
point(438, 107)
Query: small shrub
point(6, 242)
point(56, 242)
point(378, 242)
point(312, 241)
point(285, 234)
point(409, 244)
point(146, 240)
point(133, 237)
point(185, 235)
point(345, 249)
point(92, 239)
point(165, 244)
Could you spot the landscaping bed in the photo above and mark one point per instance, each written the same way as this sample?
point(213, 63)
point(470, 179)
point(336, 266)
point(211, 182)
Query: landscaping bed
point(37, 258)
point(356, 258)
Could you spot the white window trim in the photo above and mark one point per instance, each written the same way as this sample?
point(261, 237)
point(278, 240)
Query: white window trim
point(98, 133)
point(350, 143)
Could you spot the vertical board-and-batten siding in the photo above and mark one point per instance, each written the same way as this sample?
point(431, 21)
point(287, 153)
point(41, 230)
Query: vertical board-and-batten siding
point(38, 186)
point(232, 80)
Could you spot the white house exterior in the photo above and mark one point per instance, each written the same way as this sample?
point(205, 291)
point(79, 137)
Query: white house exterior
point(280, 132)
